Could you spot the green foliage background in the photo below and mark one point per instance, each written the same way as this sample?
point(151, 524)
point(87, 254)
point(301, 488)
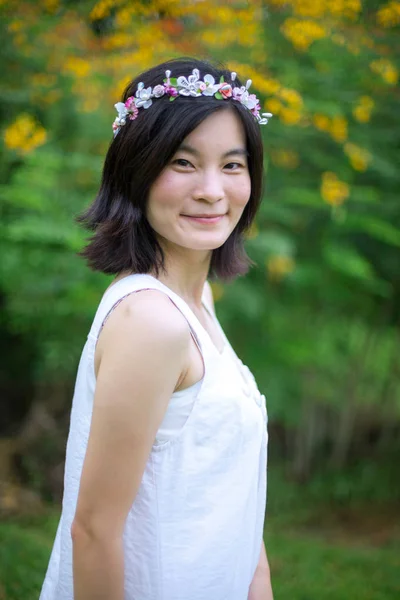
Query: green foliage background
point(318, 319)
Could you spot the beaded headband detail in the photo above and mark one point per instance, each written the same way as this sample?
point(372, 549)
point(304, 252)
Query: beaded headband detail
point(191, 86)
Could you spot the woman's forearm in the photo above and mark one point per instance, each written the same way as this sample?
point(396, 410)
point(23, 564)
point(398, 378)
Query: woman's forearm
point(260, 588)
point(98, 568)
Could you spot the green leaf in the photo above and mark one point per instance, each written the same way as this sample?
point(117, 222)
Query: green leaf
point(172, 98)
point(173, 81)
point(221, 79)
point(218, 96)
point(348, 261)
point(377, 229)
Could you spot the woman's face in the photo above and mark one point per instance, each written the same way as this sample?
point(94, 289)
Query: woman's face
point(208, 175)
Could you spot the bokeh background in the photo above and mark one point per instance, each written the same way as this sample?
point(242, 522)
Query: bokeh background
point(317, 320)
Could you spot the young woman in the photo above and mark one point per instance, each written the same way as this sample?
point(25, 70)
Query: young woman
point(165, 474)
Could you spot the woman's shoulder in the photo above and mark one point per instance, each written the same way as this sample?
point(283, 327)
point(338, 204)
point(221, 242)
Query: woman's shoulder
point(147, 311)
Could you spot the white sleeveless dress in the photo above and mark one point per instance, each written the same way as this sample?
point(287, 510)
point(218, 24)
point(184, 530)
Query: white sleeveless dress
point(195, 528)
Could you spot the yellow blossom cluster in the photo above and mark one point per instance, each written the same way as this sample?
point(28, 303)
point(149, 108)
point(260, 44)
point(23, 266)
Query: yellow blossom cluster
point(362, 111)
point(51, 6)
point(336, 127)
point(74, 65)
point(25, 134)
point(287, 159)
point(102, 9)
point(279, 265)
point(359, 157)
point(386, 69)
point(316, 9)
point(232, 26)
point(389, 15)
point(218, 38)
point(333, 191)
point(287, 104)
point(302, 33)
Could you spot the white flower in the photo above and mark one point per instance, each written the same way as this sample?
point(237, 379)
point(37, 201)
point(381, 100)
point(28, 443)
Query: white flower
point(189, 86)
point(211, 86)
point(122, 111)
point(248, 100)
point(158, 91)
point(143, 97)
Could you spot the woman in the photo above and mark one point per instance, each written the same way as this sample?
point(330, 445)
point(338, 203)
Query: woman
point(165, 474)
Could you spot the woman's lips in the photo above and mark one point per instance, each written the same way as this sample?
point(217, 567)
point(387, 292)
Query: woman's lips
point(206, 220)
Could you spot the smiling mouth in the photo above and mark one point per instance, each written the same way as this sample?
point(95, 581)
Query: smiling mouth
point(205, 219)
point(203, 216)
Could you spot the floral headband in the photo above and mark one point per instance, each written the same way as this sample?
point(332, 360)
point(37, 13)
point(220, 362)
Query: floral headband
point(192, 86)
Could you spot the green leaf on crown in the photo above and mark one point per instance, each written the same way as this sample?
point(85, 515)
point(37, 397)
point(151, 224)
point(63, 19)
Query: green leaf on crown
point(221, 79)
point(218, 96)
point(172, 98)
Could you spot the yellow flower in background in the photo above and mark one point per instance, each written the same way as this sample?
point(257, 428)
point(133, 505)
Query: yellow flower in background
point(321, 122)
point(51, 5)
point(320, 8)
point(359, 157)
point(273, 105)
point(264, 84)
point(77, 66)
point(362, 112)
point(338, 129)
point(290, 116)
point(288, 159)
point(302, 33)
point(16, 26)
point(386, 70)
point(278, 266)
point(101, 10)
point(389, 15)
point(25, 134)
point(333, 191)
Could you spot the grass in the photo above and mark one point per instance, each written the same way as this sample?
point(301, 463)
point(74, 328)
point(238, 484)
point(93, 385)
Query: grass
point(317, 551)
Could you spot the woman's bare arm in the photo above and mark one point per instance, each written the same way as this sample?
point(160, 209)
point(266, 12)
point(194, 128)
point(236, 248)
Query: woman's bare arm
point(144, 348)
point(260, 588)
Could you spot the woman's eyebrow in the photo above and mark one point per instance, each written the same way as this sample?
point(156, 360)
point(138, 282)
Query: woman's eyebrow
point(234, 151)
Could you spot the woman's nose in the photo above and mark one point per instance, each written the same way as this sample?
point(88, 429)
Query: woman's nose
point(210, 186)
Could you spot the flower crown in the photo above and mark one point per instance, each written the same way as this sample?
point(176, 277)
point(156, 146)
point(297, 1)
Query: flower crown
point(192, 86)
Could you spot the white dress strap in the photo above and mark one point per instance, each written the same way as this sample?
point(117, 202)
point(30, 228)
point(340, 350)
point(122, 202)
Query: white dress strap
point(131, 284)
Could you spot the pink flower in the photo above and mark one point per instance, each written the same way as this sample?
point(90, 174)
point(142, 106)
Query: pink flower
point(130, 102)
point(202, 86)
point(170, 90)
point(225, 90)
point(237, 93)
point(256, 109)
point(133, 112)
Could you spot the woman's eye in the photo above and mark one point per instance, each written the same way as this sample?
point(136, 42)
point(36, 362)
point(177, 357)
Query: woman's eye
point(178, 161)
point(236, 164)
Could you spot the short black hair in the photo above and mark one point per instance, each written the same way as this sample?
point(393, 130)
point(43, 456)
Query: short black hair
point(122, 237)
